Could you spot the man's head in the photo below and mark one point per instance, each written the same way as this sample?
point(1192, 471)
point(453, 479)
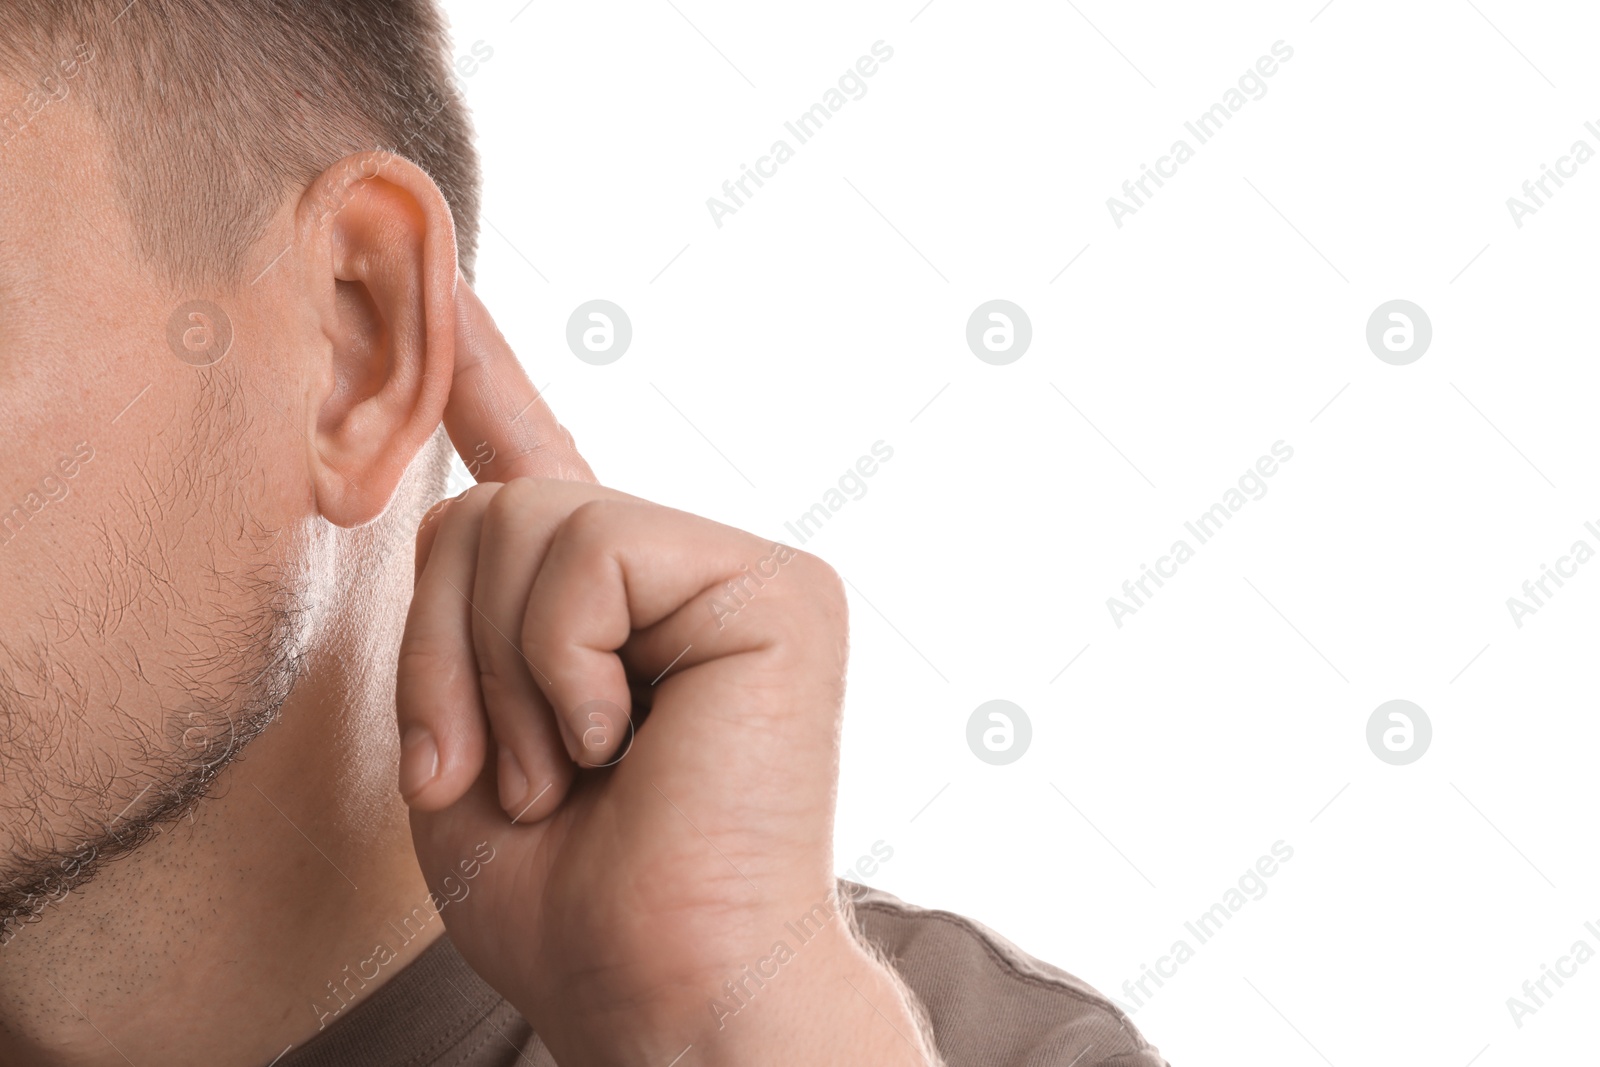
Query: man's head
point(229, 238)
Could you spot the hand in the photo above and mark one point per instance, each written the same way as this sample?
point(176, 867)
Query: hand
point(636, 711)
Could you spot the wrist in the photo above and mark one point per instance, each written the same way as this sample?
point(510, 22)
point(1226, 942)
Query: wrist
point(807, 992)
point(826, 1000)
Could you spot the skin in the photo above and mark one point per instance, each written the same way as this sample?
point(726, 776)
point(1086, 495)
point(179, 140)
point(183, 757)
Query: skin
point(197, 584)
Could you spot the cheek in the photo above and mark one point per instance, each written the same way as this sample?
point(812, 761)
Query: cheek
point(135, 613)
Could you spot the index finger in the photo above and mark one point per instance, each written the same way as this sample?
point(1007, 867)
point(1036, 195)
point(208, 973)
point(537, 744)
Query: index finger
point(498, 422)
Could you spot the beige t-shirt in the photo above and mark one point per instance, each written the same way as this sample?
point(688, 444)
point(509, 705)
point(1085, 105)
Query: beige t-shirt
point(990, 1005)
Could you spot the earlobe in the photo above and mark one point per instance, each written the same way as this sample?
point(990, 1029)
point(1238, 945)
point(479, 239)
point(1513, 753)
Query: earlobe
point(382, 255)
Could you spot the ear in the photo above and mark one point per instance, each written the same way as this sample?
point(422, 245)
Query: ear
point(381, 248)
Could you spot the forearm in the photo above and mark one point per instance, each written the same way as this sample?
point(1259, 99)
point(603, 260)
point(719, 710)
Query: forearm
point(826, 1000)
point(833, 1004)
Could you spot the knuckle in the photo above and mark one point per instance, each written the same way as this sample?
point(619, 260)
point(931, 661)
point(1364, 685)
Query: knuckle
point(500, 660)
point(424, 661)
point(589, 525)
point(483, 647)
point(472, 501)
point(515, 503)
point(818, 580)
point(500, 690)
point(802, 602)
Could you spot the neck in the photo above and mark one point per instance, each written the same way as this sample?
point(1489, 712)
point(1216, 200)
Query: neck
point(290, 895)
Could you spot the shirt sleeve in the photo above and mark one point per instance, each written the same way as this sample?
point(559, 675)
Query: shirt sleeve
point(989, 1003)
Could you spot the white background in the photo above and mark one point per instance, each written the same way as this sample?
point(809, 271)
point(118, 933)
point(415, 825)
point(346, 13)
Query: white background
point(1227, 314)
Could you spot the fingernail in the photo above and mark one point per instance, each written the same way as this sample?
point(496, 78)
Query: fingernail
point(419, 760)
point(513, 781)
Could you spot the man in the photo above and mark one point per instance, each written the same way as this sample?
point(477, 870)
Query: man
point(235, 237)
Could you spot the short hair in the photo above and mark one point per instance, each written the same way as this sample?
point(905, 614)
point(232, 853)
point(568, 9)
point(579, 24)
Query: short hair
point(217, 108)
